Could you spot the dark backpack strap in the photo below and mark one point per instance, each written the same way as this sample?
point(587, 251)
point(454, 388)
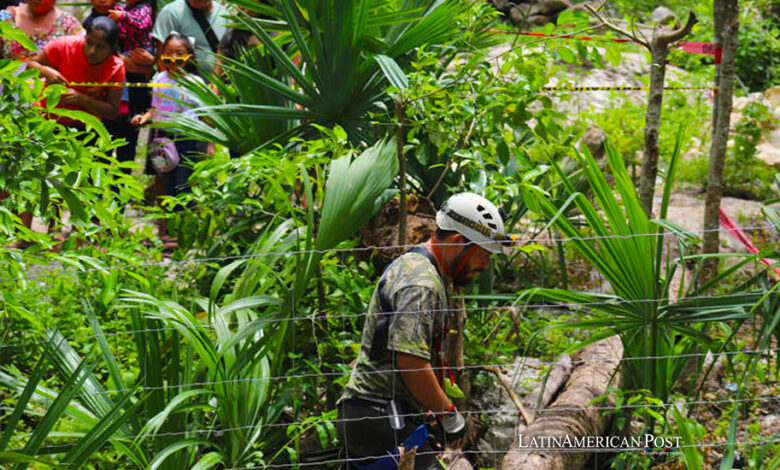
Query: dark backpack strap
point(381, 331)
point(200, 18)
point(383, 324)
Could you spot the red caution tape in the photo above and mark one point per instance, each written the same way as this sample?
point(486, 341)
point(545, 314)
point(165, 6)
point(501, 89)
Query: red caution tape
point(542, 35)
point(727, 223)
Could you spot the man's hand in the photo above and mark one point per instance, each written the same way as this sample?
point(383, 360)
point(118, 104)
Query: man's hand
point(71, 97)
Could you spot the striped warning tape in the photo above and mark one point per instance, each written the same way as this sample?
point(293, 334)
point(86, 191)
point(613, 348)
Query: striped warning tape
point(115, 84)
point(620, 88)
point(120, 84)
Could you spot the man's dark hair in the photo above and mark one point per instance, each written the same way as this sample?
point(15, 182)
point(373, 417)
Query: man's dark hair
point(441, 234)
point(109, 28)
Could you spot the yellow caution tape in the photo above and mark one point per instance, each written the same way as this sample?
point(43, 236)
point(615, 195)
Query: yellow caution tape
point(121, 84)
point(618, 88)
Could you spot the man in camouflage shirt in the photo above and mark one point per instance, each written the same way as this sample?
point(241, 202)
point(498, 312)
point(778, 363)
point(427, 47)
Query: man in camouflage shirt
point(398, 376)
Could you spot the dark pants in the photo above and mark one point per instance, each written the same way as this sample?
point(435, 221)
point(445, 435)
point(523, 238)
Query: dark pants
point(140, 99)
point(120, 128)
point(364, 430)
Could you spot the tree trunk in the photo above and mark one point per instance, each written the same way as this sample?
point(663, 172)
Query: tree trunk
point(659, 51)
point(400, 114)
point(726, 15)
point(570, 415)
point(543, 393)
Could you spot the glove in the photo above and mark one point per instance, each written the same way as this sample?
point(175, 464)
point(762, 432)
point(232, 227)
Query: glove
point(454, 425)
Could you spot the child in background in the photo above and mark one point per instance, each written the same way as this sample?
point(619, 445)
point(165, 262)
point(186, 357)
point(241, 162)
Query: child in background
point(135, 21)
point(177, 61)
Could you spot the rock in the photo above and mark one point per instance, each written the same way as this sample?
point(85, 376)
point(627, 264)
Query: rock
point(549, 7)
point(502, 5)
point(594, 138)
point(740, 102)
point(773, 96)
point(518, 14)
point(662, 15)
point(538, 20)
point(774, 138)
point(768, 154)
point(581, 7)
point(767, 422)
point(712, 382)
point(523, 375)
point(456, 460)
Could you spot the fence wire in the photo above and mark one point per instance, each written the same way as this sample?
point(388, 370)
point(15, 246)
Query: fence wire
point(357, 249)
point(520, 307)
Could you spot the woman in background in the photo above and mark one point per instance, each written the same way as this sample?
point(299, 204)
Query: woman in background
point(41, 21)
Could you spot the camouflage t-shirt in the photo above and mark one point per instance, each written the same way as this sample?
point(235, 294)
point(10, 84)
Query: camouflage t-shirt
point(418, 298)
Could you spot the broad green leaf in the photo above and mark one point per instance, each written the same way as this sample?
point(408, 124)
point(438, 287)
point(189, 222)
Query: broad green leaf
point(612, 55)
point(452, 390)
point(9, 32)
point(392, 72)
point(73, 202)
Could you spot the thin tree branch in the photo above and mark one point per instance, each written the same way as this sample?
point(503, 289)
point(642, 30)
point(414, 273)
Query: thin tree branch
point(669, 36)
point(505, 383)
point(605, 22)
point(460, 143)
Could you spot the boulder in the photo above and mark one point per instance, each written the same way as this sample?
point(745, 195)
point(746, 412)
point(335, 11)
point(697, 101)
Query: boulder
point(519, 14)
point(550, 7)
point(581, 7)
point(773, 96)
point(538, 20)
point(740, 102)
point(524, 375)
point(662, 15)
point(593, 139)
point(502, 5)
point(768, 154)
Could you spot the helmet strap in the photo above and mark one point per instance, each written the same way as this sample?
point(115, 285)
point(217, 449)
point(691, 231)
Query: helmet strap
point(439, 258)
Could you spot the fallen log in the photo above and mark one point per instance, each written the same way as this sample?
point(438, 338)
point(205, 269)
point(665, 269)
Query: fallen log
point(570, 415)
point(544, 392)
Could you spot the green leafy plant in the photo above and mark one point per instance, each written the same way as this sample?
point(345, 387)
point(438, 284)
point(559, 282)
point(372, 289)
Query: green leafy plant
point(743, 175)
point(628, 255)
point(339, 78)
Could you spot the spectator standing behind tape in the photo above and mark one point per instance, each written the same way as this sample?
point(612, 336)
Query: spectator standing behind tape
point(88, 58)
point(41, 21)
point(202, 20)
point(169, 101)
point(135, 20)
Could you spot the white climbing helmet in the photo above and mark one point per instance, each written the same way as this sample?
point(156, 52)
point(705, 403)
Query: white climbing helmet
point(474, 217)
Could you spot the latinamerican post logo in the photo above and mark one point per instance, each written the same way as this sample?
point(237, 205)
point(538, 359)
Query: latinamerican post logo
point(647, 443)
